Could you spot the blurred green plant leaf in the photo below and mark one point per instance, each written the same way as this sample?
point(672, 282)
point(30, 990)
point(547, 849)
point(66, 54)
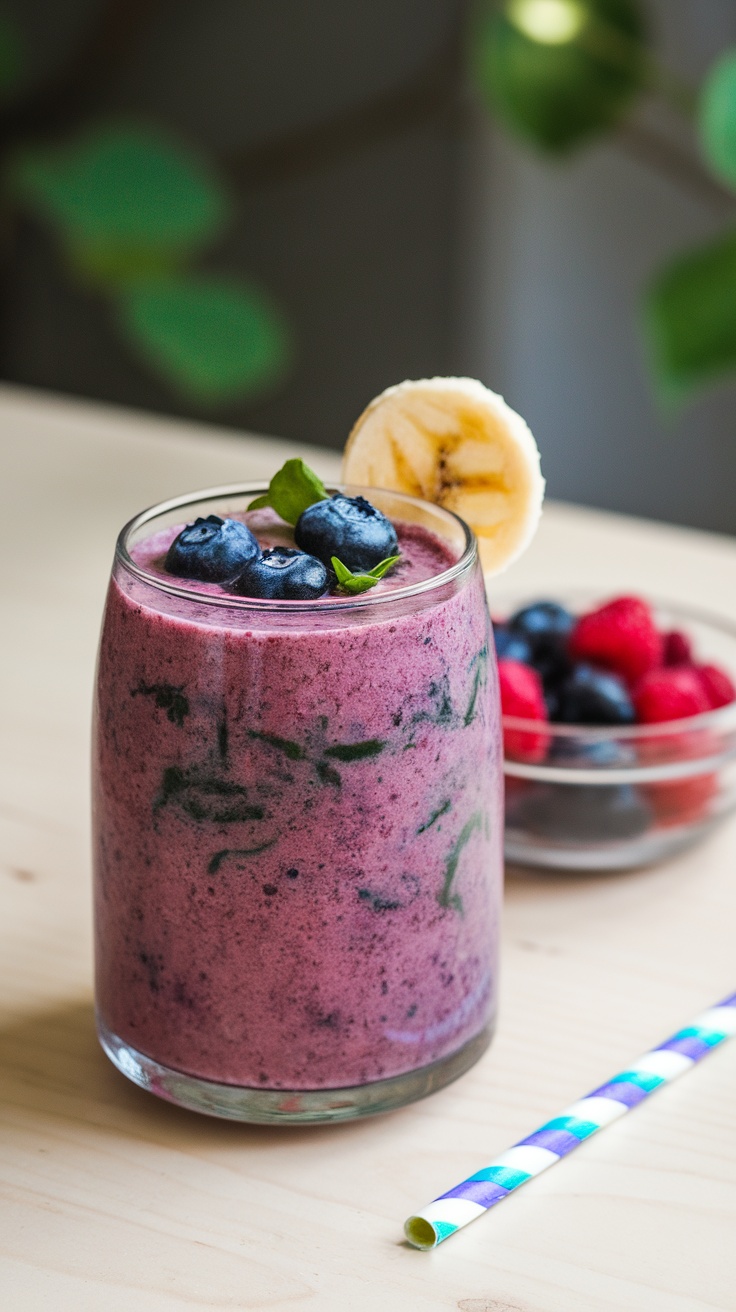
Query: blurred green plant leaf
point(108, 267)
point(560, 71)
point(690, 319)
point(11, 54)
point(717, 118)
point(122, 192)
point(214, 339)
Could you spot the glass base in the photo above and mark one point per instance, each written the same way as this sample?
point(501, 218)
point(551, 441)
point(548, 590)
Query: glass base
point(284, 1107)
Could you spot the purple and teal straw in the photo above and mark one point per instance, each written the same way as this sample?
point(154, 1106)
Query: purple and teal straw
point(558, 1137)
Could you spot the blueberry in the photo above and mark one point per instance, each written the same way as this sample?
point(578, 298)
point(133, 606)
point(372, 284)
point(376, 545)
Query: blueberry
point(588, 696)
point(553, 667)
point(349, 528)
point(546, 625)
point(552, 702)
point(511, 646)
point(583, 813)
point(282, 574)
point(211, 550)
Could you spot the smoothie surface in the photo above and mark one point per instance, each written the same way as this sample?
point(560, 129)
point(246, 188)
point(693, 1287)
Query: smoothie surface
point(423, 554)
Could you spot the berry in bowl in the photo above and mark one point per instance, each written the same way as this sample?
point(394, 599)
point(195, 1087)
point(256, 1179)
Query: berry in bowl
point(619, 727)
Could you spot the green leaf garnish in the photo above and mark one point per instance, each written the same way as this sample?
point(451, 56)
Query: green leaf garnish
point(355, 583)
point(294, 487)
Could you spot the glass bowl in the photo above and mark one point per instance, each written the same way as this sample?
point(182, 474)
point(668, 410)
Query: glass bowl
point(613, 798)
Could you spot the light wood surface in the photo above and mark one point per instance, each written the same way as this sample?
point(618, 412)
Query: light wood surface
point(111, 1200)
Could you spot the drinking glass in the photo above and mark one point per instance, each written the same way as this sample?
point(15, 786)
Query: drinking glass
point(298, 830)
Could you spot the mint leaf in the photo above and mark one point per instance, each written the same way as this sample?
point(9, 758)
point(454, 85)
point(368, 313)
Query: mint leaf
point(294, 487)
point(355, 583)
point(383, 567)
point(344, 575)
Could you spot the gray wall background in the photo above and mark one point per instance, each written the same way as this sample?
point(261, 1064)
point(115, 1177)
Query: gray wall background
point(435, 251)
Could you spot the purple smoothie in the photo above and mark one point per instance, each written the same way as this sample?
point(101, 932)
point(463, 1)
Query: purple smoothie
point(297, 823)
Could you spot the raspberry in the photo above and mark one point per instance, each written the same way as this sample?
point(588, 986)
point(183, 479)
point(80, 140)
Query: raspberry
point(716, 684)
point(678, 649)
point(620, 636)
point(669, 694)
point(682, 801)
point(522, 697)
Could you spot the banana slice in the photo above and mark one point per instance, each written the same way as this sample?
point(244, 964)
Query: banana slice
point(454, 442)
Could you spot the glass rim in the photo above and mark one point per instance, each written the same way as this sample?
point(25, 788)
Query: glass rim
point(719, 718)
point(266, 606)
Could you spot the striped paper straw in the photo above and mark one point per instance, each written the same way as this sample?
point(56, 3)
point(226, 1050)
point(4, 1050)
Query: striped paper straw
point(558, 1137)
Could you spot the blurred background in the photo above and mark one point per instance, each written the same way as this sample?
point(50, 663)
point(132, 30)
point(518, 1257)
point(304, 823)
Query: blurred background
point(263, 214)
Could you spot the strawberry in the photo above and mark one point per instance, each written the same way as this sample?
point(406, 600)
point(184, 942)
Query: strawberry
point(674, 694)
point(669, 694)
point(621, 636)
point(522, 697)
point(716, 684)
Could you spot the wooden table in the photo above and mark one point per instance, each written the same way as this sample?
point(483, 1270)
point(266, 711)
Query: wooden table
point(115, 1202)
